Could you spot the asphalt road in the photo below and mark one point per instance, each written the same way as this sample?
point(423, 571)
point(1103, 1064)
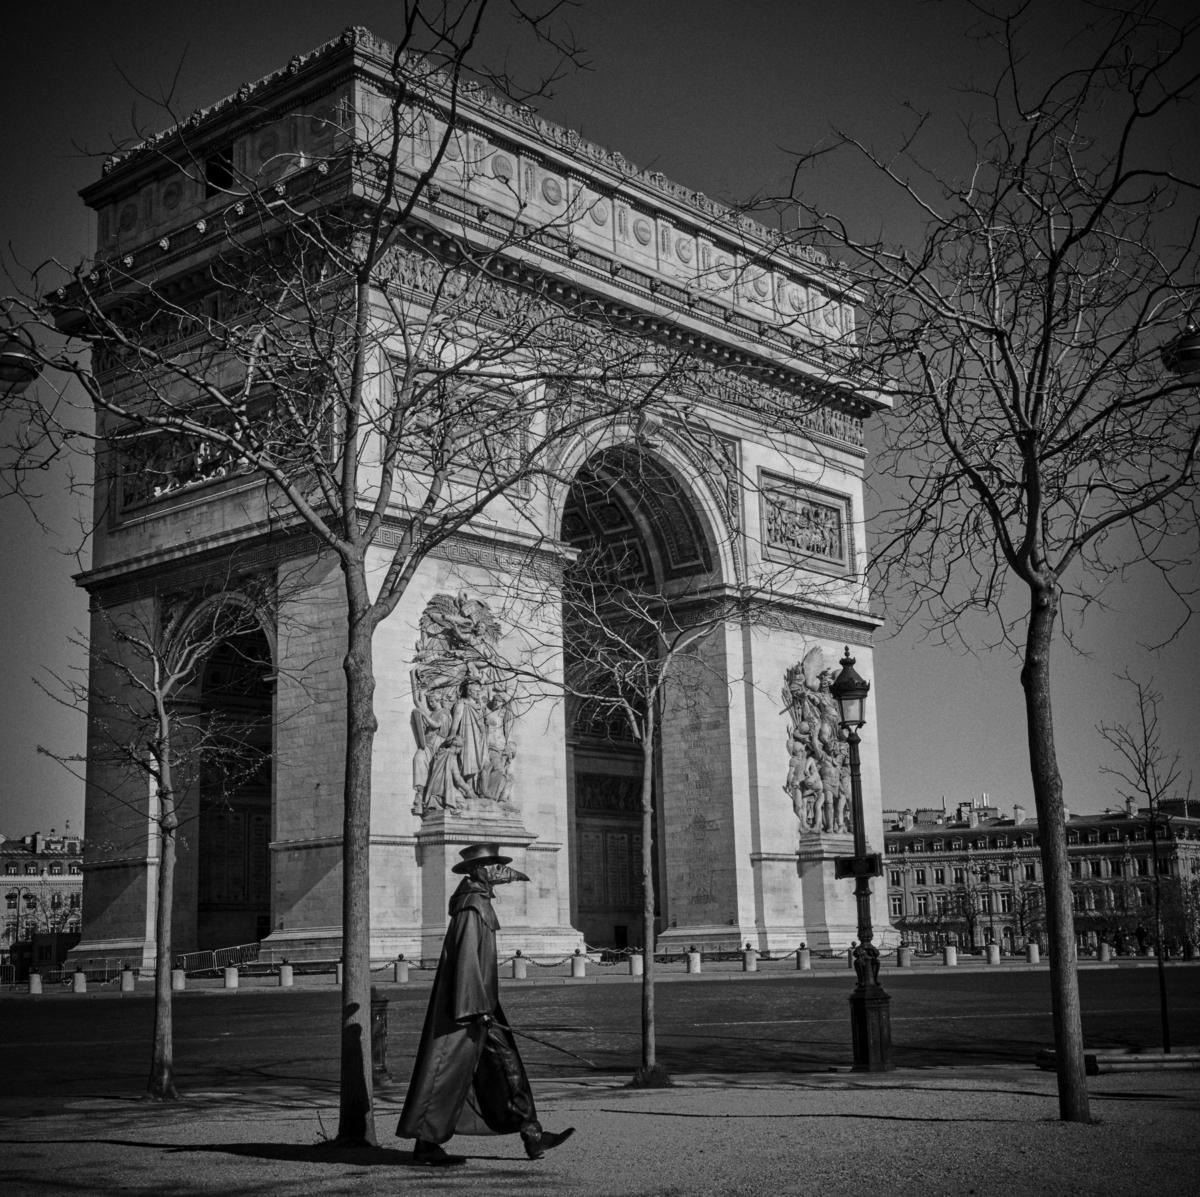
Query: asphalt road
point(61, 1049)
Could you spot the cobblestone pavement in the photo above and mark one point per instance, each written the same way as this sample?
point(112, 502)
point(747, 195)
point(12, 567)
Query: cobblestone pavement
point(69, 1046)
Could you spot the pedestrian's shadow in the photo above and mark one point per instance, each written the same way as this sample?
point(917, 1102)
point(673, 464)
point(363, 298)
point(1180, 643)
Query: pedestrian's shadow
point(327, 1153)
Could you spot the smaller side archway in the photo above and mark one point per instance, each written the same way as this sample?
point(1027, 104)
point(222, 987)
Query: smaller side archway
point(235, 697)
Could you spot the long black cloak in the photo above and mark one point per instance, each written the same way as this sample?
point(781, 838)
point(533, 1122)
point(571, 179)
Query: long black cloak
point(468, 1079)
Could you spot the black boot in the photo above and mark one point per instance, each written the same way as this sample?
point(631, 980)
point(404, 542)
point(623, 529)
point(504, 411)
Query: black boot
point(434, 1155)
point(538, 1142)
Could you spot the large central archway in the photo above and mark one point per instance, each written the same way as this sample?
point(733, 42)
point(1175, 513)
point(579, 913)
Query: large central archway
point(635, 527)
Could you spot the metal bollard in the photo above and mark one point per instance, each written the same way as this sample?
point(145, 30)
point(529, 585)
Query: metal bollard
point(803, 959)
point(992, 953)
point(693, 960)
point(950, 955)
point(637, 964)
point(178, 980)
point(904, 956)
point(1105, 953)
point(379, 1034)
point(79, 981)
point(287, 976)
point(520, 966)
point(749, 960)
point(1032, 955)
point(400, 970)
point(127, 982)
point(231, 977)
point(35, 983)
point(578, 964)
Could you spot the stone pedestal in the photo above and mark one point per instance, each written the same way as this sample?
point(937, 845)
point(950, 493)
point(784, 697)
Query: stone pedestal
point(830, 915)
point(871, 1027)
point(519, 906)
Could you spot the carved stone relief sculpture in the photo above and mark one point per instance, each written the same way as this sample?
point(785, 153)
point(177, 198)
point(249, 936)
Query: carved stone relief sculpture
point(818, 776)
point(462, 712)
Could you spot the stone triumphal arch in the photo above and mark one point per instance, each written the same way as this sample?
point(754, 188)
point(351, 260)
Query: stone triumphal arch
point(740, 504)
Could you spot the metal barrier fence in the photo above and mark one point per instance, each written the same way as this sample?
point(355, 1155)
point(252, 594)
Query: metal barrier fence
point(215, 961)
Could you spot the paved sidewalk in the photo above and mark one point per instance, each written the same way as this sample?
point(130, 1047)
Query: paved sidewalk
point(978, 1131)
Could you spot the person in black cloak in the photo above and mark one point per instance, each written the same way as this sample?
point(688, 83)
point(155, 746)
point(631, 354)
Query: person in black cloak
point(468, 1078)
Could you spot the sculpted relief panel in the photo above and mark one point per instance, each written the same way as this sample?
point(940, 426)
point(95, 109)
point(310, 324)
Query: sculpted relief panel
point(462, 717)
point(818, 777)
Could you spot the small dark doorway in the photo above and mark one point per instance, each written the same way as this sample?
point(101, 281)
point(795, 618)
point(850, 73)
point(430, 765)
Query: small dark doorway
point(234, 899)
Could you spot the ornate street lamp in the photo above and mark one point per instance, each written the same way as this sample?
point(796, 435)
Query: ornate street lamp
point(870, 1017)
point(18, 367)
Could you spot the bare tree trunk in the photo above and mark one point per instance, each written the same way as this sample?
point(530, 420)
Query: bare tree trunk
point(648, 1046)
point(356, 1124)
point(1056, 872)
point(161, 1086)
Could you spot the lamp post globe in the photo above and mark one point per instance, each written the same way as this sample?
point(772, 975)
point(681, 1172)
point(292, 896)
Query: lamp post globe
point(1181, 355)
point(18, 366)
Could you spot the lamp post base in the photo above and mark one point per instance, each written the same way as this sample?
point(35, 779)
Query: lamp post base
point(871, 1024)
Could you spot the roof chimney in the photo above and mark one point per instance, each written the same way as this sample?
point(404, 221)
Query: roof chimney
point(906, 820)
point(1018, 814)
point(973, 818)
point(1131, 807)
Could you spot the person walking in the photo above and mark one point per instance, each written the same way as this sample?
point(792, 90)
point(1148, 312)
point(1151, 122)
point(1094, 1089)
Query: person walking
point(468, 1078)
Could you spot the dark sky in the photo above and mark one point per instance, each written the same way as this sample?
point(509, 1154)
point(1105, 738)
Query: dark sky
point(713, 93)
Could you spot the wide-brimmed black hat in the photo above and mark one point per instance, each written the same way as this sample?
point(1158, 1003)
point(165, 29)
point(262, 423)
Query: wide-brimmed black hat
point(480, 854)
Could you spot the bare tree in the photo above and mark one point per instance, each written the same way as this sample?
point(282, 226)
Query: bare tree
point(146, 727)
point(381, 370)
point(628, 645)
point(1038, 444)
point(1149, 772)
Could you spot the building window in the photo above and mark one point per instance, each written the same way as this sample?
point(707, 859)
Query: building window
point(10, 869)
point(1143, 866)
point(960, 876)
point(956, 845)
point(1031, 872)
point(1027, 842)
point(939, 876)
point(31, 870)
point(1006, 873)
point(56, 869)
point(74, 870)
point(1095, 864)
point(1093, 838)
point(1001, 842)
point(890, 846)
point(1076, 868)
point(938, 845)
point(74, 902)
point(942, 903)
point(1164, 865)
point(897, 907)
point(1144, 897)
point(1073, 838)
point(920, 876)
point(56, 901)
point(1006, 901)
point(894, 877)
point(922, 903)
